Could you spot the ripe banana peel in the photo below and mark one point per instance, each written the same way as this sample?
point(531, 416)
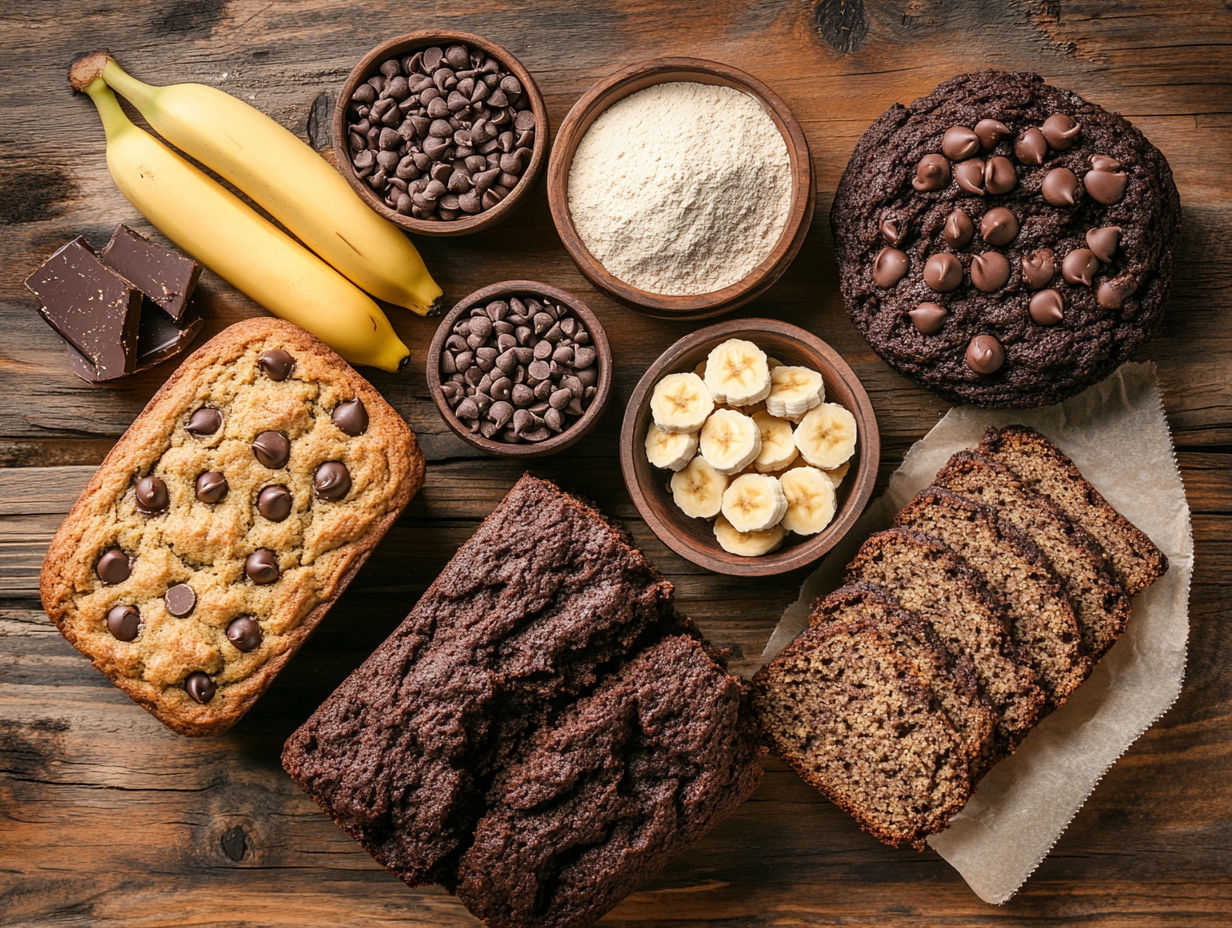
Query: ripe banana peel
point(289, 180)
point(231, 239)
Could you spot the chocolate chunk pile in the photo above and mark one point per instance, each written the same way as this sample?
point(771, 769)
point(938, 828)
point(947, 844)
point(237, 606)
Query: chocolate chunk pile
point(121, 310)
point(441, 133)
point(519, 370)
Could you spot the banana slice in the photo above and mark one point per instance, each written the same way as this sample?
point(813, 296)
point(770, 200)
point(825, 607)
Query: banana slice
point(836, 474)
point(778, 449)
point(730, 441)
point(794, 391)
point(810, 500)
point(736, 373)
point(672, 450)
point(698, 489)
point(826, 436)
point(754, 503)
point(680, 403)
point(747, 544)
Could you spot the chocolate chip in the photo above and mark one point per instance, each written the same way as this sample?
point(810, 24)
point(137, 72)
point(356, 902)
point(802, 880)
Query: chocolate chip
point(943, 273)
point(928, 318)
point(1080, 266)
point(211, 486)
point(244, 633)
point(276, 364)
point(205, 421)
point(124, 622)
point(985, 354)
point(1112, 293)
point(261, 566)
point(114, 566)
point(990, 132)
point(1060, 187)
point(274, 502)
point(959, 143)
point(999, 175)
point(892, 229)
point(272, 449)
point(180, 600)
point(989, 271)
point(969, 175)
point(1038, 268)
point(1106, 187)
point(999, 226)
point(1103, 242)
point(1046, 307)
point(958, 229)
point(151, 495)
point(1060, 131)
point(932, 173)
point(200, 687)
point(332, 480)
point(1031, 147)
point(1104, 163)
point(889, 267)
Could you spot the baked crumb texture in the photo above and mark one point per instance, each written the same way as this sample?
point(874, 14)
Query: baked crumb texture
point(318, 547)
point(982, 610)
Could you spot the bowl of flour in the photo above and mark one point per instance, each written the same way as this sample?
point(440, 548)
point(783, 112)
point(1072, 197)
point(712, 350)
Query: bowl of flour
point(681, 187)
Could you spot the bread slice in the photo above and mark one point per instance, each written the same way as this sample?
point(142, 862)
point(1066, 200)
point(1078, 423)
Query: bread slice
point(927, 578)
point(850, 714)
point(952, 681)
point(1042, 467)
point(1099, 601)
point(1040, 615)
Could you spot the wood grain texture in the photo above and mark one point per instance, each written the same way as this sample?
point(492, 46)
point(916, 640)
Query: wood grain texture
point(108, 819)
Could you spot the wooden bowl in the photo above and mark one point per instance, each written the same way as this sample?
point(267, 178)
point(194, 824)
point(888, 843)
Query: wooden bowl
point(521, 288)
point(638, 77)
point(693, 539)
point(407, 44)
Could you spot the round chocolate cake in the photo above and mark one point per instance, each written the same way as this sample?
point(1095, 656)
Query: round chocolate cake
point(1004, 242)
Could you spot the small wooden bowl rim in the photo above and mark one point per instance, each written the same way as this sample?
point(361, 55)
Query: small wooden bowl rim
point(603, 358)
point(842, 385)
point(398, 47)
point(638, 77)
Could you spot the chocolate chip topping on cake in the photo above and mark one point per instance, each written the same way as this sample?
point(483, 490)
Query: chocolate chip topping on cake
point(1065, 196)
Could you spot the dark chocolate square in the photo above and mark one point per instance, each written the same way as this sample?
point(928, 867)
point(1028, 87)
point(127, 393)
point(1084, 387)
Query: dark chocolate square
point(166, 277)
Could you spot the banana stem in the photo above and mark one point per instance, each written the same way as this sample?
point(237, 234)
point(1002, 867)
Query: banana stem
point(138, 93)
point(115, 122)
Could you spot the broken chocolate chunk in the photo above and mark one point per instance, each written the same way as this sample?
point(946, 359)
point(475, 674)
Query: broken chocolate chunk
point(165, 277)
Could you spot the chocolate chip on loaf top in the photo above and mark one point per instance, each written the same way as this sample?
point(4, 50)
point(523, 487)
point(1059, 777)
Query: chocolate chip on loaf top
point(222, 526)
point(1004, 242)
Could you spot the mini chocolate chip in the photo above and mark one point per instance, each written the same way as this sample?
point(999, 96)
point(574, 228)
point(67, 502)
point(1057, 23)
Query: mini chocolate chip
point(990, 132)
point(1060, 131)
point(211, 486)
point(1046, 307)
point(932, 173)
point(200, 687)
point(333, 480)
point(124, 622)
point(151, 495)
point(958, 229)
point(889, 267)
point(180, 600)
point(999, 175)
point(1104, 163)
point(274, 502)
point(1105, 187)
point(205, 421)
point(969, 175)
point(1038, 268)
point(928, 318)
point(261, 566)
point(1112, 293)
point(244, 633)
point(272, 449)
point(999, 226)
point(989, 271)
point(892, 229)
point(943, 273)
point(1060, 187)
point(1103, 242)
point(114, 566)
point(1031, 147)
point(959, 143)
point(276, 364)
point(985, 354)
point(1080, 266)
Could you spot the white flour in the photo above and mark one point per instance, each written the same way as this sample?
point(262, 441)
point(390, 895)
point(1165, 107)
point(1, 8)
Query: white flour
point(681, 188)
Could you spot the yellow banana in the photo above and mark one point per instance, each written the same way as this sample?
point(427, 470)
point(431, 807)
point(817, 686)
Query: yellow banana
point(230, 238)
point(288, 179)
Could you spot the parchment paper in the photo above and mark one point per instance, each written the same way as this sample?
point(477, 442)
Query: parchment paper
point(1117, 435)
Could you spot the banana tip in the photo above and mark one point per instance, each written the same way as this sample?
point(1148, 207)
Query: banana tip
point(404, 363)
point(435, 308)
point(87, 69)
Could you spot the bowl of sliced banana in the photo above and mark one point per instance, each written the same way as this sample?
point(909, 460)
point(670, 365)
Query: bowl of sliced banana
point(750, 447)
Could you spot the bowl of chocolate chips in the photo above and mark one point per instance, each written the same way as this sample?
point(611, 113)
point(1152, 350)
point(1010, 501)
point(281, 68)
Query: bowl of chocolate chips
point(520, 369)
point(442, 133)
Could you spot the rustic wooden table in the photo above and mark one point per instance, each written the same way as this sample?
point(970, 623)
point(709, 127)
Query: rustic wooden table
point(106, 818)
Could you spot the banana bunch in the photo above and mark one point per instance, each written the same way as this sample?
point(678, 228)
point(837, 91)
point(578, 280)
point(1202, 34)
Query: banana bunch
point(752, 445)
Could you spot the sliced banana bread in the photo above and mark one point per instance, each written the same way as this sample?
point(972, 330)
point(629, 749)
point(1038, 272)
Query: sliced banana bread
point(951, 680)
point(926, 577)
point(1042, 467)
point(1099, 601)
point(850, 714)
point(1040, 615)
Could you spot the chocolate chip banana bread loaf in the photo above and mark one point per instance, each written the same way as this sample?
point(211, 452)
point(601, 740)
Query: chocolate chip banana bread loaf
point(546, 662)
point(226, 521)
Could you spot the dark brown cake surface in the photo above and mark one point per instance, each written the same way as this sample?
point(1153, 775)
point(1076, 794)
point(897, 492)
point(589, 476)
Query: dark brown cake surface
point(1055, 332)
point(542, 605)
